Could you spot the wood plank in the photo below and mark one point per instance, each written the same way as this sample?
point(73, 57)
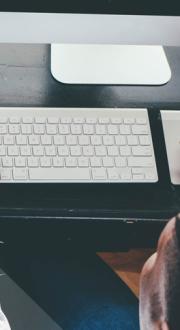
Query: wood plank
point(128, 265)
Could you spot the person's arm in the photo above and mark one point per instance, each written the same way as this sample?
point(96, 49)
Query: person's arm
point(4, 324)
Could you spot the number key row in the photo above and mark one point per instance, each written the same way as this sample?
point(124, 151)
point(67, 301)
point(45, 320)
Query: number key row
point(75, 129)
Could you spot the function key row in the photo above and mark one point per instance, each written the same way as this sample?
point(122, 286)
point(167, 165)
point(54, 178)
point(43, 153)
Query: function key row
point(70, 120)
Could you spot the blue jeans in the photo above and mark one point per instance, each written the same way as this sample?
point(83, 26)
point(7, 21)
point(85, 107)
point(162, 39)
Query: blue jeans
point(79, 292)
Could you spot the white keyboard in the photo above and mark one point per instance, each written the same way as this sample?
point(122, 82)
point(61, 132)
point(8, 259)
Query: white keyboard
point(76, 145)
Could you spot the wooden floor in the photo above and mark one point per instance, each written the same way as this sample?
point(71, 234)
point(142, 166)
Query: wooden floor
point(128, 265)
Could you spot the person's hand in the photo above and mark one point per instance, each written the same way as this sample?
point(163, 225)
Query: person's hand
point(4, 324)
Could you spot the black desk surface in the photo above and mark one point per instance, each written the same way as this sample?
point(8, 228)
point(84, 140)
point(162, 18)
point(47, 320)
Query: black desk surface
point(26, 80)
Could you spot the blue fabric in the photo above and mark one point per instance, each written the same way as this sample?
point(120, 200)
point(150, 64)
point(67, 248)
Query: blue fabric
point(78, 292)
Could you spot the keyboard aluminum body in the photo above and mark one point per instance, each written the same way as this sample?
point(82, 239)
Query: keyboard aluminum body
point(76, 145)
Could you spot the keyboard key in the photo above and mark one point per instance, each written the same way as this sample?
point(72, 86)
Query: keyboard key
point(132, 140)
point(58, 162)
point(26, 129)
point(120, 140)
point(51, 129)
point(100, 129)
point(141, 151)
point(8, 139)
point(58, 140)
point(50, 151)
point(14, 120)
point(113, 130)
point(3, 129)
point(13, 129)
point(20, 174)
point(141, 121)
point(84, 140)
point(138, 177)
point(91, 120)
point(140, 129)
point(33, 162)
point(99, 174)
point(125, 174)
point(137, 170)
point(104, 120)
point(125, 151)
point(39, 129)
point(108, 162)
point(3, 119)
point(120, 161)
point(13, 151)
point(76, 129)
point(112, 174)
point(95, 162)
point(88, 129)
point(96, 140)
point(45, 161)
point(46, 139)
point(71, 140)
point(7, 162)
point(87, 151)
point(78, 120)
point(113, 151)
point(2, 151)
point(25, 151)
point(34, 140)
point(38, 150)
point(125, 129)
point(108, 140)
point(83, 162)
point(66, 120)
point(63, 129)
point(140, 162)
point(116, 120)
point(100, 151)
point(149, 174)
point(5, 174)
point(27, 119)
point(129, 120)
point(144, 140)
point(75, 151)
point(40, 120)
point(20, 161)
point(21, 139)
point(63, 174)
point(63, 151)
point(53, 120)
point(70, 162)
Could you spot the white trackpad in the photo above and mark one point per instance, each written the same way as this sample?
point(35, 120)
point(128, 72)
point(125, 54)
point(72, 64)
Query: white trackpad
point(171, 127)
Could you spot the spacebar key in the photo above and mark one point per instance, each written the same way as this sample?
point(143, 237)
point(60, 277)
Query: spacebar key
point(64, 174)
